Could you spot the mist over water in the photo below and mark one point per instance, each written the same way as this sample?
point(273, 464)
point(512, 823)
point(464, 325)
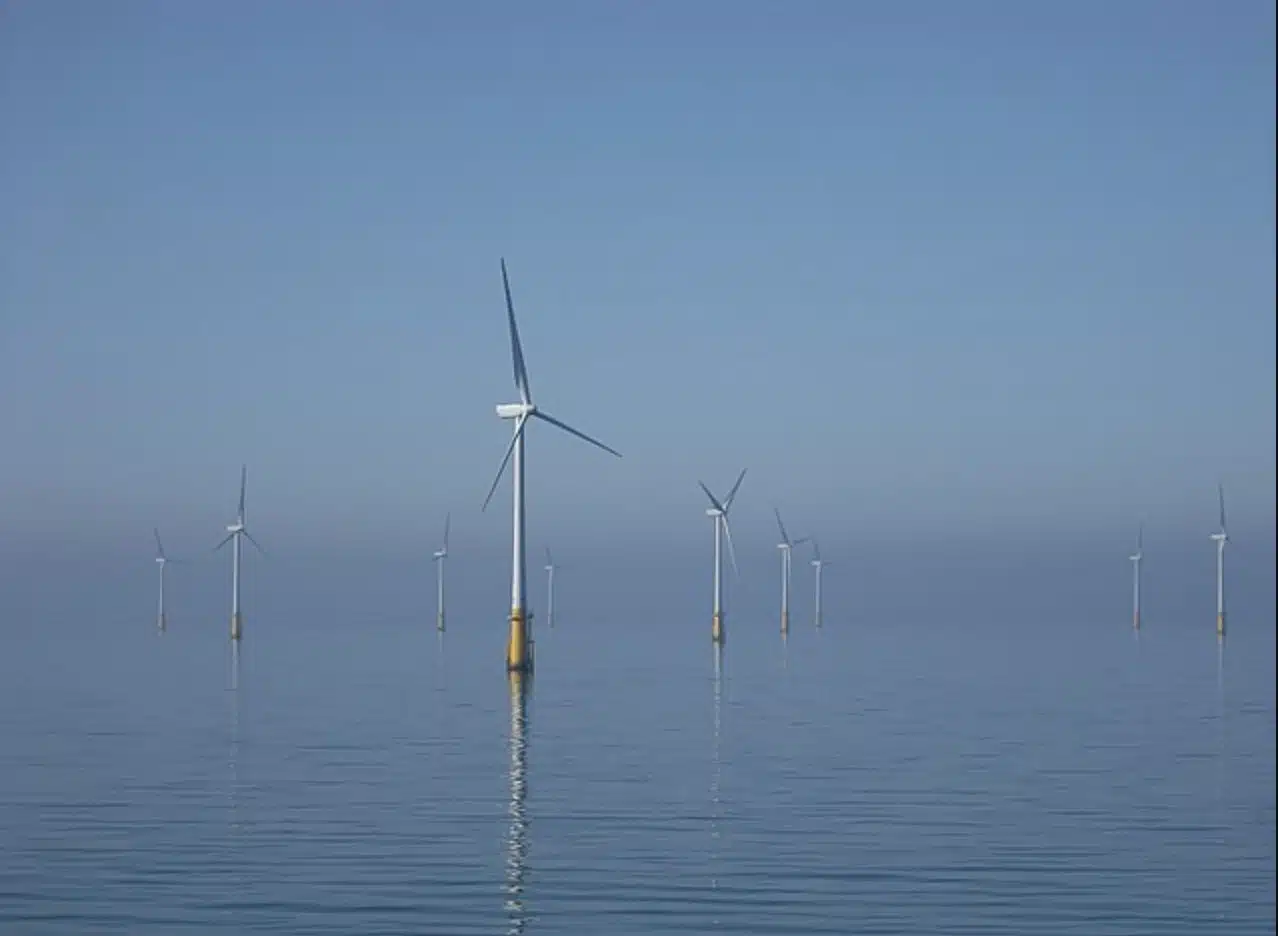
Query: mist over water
point(959, 764)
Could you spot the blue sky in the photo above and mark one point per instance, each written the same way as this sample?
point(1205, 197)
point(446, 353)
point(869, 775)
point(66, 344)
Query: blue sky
point(926, 267)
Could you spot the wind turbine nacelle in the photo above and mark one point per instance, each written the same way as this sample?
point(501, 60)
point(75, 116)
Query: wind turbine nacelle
point(513, 410)
point(713, 512)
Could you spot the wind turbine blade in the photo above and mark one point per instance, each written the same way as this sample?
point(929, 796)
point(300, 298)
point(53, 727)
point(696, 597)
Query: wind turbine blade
point(516, 349)
point(781, 526)
point(249, 537)
point(732, 553)
point(448, 518)
point(713, 500)
point(816, 551)
point(581, 435)
point(1220, 489)
point(229, 537)
point(243, 487)
point(800, 542)
point(732, 495)
point(550, 562)
point(519, 429)
point(1140, 538)
point(159, 546)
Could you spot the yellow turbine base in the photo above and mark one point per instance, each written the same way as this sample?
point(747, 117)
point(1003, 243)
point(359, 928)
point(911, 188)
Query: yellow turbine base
point(237, 625)
point(716, 629)
point(518, 649)
point(1220, 623)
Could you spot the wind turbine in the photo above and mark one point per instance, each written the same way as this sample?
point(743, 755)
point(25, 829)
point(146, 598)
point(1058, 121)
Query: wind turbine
point(1221, 539)
point(440, 556)
point(162, 560)
point(786, 545)
point(550, 588)
point(718, 511)
point(519, 652)
point(1136, 558)
point(234, 533)
point(818, 564)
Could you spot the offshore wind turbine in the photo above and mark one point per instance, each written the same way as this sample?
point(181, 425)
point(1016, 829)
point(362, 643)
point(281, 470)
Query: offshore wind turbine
point(1136, 559)
point(1221, 539)
point(440, 556)
point(162, 560)
point(550, 588)
point(786, 546)
point(718, 512)
point(817, 564)
point(234, 533)
point(519, 651)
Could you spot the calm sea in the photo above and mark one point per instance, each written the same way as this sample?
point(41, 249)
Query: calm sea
point(964, 772)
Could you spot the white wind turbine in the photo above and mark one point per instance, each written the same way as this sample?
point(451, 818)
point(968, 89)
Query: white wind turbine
point(234, 533)
point(519, 652)
point(1221, 539)
point(817, 564)
point(550, 588)
point(1136, 559)
point(786, 546)
point(718, 512)
point(162, 560)
point(440, 556)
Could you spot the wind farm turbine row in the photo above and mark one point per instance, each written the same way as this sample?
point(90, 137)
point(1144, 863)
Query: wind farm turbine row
point(520, 646)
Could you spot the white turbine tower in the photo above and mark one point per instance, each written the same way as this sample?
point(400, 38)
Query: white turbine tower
point(718, 512)
point(1136, 559)
point(162, 560)
point(786, 546)
point(234, 533)
point(817, 564)
point(519, 650)
point(1221, 539)
point(440, 556)
point(550, 588)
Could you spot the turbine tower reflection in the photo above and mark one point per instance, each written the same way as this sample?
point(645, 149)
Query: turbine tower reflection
point(517, 839)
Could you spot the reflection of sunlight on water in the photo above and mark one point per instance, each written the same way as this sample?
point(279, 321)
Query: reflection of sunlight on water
point(715, 772)
point(517, 846)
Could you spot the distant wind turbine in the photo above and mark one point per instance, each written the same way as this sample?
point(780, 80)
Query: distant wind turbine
point(440, 556)
point(786, 546)
point(519, 649)
point(1136, 558)
point(234, 533)
point(550, 588)
point(1221, 539)
point(162, 560)
point(718, 511)
point(817, 564)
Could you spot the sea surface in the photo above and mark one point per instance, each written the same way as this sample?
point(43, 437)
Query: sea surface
point(965, 772)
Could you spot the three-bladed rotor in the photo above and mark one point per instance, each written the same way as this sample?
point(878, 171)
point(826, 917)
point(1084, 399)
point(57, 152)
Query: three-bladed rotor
point(240, 526)
point(719, 510)
point(525, 409)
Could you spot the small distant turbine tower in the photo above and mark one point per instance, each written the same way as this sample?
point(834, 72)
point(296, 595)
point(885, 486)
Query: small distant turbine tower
point(718, 512)
point(550, 588)
point(1221, 539)
point(786, 546)
point(234, 533)
point(163, 561)
point(1136, 558)
point(817, 564)
point(440, 556)
point(519, 652)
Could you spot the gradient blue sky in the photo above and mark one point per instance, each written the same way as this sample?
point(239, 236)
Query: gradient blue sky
point(939, 266)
